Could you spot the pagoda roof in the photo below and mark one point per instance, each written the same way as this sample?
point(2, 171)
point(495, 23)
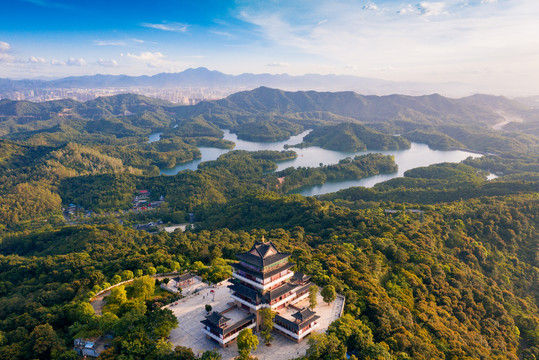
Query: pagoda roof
point(216, 319)
point(224, 331)
point(266, 274)
point(262, 254)
point(304, 314)
point(246, 291)
point(266, 297)
point(281, 290)
point(300, 319)
point(299, 278)
point(184, 277)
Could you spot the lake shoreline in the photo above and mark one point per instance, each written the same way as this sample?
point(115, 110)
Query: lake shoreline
point(418, 155)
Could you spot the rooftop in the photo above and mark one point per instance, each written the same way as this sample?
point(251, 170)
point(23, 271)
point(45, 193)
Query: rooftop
point(234, 319)
point(262, 254)
point(265, 275)
point(184, 277)
point(295, 318)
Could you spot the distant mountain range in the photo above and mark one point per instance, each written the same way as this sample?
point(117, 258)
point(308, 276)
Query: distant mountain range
point(475, 109)
point(202, 77)
point(266, 114)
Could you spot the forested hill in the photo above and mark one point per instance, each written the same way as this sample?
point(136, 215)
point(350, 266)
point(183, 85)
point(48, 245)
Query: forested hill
point(439, 264)
point(433, 119)
point(477, 108)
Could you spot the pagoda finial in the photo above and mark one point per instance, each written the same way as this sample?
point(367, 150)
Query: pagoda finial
point(263, 238)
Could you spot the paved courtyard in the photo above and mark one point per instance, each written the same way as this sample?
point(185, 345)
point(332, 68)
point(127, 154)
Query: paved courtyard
point(190, 311)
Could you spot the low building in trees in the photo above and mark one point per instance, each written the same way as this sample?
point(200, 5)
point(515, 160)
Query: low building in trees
point(92, 347)
point(263, 279)
point(224, 327)
point(295, 324)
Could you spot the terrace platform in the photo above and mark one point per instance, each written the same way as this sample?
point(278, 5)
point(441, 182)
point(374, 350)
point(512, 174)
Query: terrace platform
point(191, 310)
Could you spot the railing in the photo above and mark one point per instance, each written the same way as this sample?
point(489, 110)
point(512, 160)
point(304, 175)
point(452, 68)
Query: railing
point(297, 300)
point(259, 285)
point(279, 303)
point(228, 339)
point(293, 334)
point(246, 303)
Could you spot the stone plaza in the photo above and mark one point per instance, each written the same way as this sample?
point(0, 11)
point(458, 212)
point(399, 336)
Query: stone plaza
point(191, 310)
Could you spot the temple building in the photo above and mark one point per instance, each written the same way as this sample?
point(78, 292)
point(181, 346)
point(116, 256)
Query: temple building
point(262, 278)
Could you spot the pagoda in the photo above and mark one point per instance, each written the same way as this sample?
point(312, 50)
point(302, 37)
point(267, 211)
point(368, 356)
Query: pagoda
point(262, 279)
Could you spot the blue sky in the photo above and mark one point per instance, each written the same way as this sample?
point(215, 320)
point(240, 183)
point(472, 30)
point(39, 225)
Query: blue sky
point(491, 43)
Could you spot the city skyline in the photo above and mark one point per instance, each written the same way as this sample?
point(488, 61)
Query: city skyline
point(493, 44)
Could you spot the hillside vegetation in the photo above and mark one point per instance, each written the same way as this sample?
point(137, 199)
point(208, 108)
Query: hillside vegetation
point(439, 264)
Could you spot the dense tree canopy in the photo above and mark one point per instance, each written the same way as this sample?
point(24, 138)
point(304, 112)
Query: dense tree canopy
point(440, 263)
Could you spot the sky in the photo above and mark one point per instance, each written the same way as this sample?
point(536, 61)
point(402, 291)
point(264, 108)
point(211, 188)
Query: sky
point(493, 44)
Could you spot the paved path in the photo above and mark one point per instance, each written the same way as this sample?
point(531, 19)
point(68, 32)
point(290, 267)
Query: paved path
point(99, 301)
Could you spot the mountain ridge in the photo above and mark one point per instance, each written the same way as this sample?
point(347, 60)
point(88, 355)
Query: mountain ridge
point(203, 77)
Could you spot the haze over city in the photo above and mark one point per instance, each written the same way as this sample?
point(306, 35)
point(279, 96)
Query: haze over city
point(491, 44)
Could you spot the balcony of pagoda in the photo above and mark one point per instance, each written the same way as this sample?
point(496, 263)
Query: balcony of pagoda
point(259, 283)
point(246, 301)
point(294, 333)
point(282, 300)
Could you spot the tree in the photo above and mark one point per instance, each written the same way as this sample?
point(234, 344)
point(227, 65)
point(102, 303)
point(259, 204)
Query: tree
point(115, 279)
point(328, 294)
point(313, 293)
point(211, 355)
point(352, 332)
point(182, 353)
point(118, 295)
point(247, 342)
point(325, 347)
point(267, 324)
point(127, 275)
point(160, 322)
point(44, 341)
point(142, 288)
point(208, 308)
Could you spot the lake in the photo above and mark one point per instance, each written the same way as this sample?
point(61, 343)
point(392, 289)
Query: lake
point(418, 155)
point(154, 137)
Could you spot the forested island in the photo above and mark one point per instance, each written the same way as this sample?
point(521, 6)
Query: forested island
point(352, 137)
point(441, 263)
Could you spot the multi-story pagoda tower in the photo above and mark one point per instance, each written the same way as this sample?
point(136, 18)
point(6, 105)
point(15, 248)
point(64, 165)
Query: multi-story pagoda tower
point(262, 278)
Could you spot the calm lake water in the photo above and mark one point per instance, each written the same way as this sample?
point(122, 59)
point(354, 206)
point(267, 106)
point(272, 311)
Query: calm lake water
point(418, 155)
point(154, 137)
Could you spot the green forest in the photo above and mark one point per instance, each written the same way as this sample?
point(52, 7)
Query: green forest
point(441, 263)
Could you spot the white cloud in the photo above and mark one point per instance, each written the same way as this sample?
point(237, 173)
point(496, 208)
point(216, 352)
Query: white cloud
point(489, 1)
point(426, 41)
point(57, 62)
point(175, 27)
point(370, 6)
point(4, 46)
point(6, 58)
point(36, 60)
point(223, 33)
point(278, 64)
point(147, 56)
point(75, 62)
point(431, 8)
point(138, 41)
point(107, 63)
point(109, 43)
